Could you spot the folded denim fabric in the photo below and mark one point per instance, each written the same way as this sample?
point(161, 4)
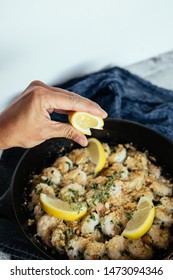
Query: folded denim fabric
point(123, 95)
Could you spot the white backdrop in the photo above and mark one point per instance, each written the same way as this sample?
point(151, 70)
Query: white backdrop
point(53, 40)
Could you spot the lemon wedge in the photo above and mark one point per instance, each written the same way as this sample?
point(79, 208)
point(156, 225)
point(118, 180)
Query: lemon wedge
point(61, 209)
point(96, 153)
point(141, 220)
point(83, 121)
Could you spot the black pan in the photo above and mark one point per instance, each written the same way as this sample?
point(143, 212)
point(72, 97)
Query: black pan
point(35, 159)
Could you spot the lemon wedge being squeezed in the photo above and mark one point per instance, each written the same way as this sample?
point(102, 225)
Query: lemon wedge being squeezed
point(141, 220)
point(83, 121)
point(61, 209)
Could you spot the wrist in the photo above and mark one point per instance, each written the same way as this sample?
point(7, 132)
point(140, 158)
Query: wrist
point(5, 136)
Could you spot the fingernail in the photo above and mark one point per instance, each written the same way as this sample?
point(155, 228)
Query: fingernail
point(104, 113)
point(81, 140)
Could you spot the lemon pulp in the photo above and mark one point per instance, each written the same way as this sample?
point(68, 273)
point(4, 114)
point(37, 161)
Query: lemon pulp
point(96, 153)
point(83, 121)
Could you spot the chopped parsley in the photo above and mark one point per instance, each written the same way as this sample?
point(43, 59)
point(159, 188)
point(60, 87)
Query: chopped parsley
point(94, 186)
point(38, 191)
point(92, 217)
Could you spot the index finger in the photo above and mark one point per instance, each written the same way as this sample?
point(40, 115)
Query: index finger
point(72, 102)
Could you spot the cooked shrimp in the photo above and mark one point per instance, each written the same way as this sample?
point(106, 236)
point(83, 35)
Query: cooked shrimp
point(119, 155)
point(136, 194)
point(63, 164)
point(140, 250)
point(79, 156)
point(116, 189)
point(154, 171)
point(136, 162)
point(89, 223)
point(41, 188)
point(113, 223)
point(116, 194)
point(75, 176)
point(117, 170)
point(94, 251)
point(38, 211)
point(58, 237)
point(160, 189)
point(45, 225)
point(135, 180)
point(96, 183)
point(167, 202)
point(106, 149)
point(72, 190)
point(52, 174)
point(75, 247)
point(162, 217)
point(160, 236)
point(117, 248)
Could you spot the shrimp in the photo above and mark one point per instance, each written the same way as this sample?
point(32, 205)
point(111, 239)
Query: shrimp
point(117, 248)
point(159, 236)
point(162, 217)
point(52, 174)
point(75, 247)
point(96, 183)
point(58, 237)
point(139, 250)
point(72, 190)
point(167, 202)
point(63, 164)
point(75, 176)
point(154, 171)
point(117, 170)
point(116, 189)
point(44, 227)
point(119, 155)
point(135, 180)
point(136, 162)
point(136, 194)
point(106, 149)
point(89, 223)
point(94, 251)
point(113, 223)
point(79, 156)
point(160, 189)
point(38, 211)
point(41, 188)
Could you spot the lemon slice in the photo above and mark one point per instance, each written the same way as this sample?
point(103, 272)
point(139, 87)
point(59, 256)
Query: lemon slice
point(83, 121)
point(141, 220)
point(96, 153)
point(61, 209)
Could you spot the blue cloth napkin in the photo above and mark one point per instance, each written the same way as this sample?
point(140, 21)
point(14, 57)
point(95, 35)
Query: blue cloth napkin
point(127, 96)
point(123, 95)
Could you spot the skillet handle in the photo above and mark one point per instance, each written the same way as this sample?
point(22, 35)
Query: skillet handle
point(6, 206)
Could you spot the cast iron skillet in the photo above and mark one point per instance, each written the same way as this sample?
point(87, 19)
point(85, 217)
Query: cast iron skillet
point(35, 159)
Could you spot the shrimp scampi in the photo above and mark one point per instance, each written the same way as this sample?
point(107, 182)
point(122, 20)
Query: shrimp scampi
point(111, 197)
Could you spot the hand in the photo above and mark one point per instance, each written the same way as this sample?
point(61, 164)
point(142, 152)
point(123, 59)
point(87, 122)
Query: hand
point(27, 123)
